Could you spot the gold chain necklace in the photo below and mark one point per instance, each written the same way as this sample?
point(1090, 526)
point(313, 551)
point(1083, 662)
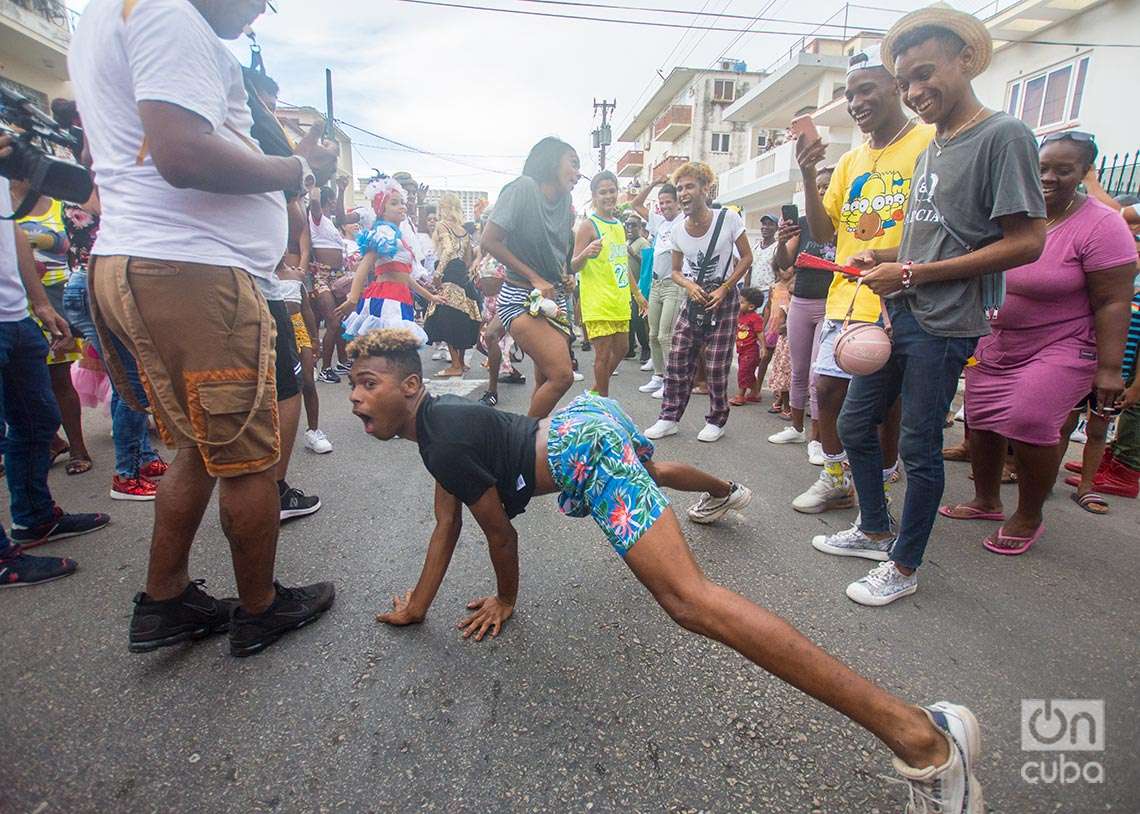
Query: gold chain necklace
point(1051, 221)
point(875, 163)
point(973, 118)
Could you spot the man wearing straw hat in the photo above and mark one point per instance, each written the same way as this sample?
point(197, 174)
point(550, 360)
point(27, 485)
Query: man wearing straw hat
point(975, 210)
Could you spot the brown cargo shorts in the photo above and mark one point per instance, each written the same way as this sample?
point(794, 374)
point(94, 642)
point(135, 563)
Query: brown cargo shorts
point(203, 339)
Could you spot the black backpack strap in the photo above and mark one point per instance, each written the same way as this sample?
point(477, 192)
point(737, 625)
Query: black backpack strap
point(706, 265)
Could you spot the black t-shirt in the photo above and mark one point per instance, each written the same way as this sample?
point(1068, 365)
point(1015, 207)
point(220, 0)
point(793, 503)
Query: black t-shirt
point(813, 284)
point(470, 447)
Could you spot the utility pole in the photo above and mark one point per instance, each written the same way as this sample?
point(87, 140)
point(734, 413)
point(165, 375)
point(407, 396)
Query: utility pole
point(603, 136)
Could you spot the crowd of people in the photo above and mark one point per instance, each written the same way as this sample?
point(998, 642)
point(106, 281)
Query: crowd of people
point(946, 244)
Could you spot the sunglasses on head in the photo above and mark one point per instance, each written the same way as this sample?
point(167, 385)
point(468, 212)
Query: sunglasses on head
point(1070, 135)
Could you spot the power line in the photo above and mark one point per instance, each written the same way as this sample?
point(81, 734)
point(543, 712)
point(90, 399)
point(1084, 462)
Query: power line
point(655, 10)
point(422, 151)
point(654, 24)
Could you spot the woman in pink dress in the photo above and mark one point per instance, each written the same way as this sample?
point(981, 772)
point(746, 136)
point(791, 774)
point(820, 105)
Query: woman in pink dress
point(1060, 334)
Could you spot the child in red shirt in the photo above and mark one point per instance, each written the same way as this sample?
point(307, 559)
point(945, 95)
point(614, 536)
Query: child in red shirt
point(749, 332)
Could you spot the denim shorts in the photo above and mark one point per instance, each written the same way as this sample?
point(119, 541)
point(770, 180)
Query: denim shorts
point(597, 458)
point(825, 364)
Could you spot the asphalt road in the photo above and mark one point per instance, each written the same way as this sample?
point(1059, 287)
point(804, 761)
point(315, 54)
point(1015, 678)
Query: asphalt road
point(591, 700)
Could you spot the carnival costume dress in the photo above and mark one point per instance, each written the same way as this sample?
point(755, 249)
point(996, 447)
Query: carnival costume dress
point(385, 303)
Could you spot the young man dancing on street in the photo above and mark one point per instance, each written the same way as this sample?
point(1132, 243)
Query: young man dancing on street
point(594, 458)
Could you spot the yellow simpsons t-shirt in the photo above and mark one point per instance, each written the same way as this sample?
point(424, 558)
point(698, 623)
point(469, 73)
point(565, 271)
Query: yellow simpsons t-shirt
point(867, 200)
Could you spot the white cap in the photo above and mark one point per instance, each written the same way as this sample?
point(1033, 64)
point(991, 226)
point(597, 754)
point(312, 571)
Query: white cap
point(867, 58)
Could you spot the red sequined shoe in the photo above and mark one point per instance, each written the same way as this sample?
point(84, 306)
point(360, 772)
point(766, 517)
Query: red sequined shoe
point(133, 488)
point(155, 469)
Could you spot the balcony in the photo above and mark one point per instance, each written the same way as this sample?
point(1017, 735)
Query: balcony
point(630, 164)
point(673, 122)
point(770, 177)
point(34, 37)
point(664, 168)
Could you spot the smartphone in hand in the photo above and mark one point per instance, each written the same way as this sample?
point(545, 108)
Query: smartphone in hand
point(790, 212)
point(804, 126)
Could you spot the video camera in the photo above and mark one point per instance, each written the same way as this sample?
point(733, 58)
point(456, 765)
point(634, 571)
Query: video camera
point(30, 160)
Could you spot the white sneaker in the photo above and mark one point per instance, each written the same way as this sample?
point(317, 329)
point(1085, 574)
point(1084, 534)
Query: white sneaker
point(883, 585)
point(709, 509)
point(853, 542)
point(788, 435)
point(825, 495)
point(951, 787)
point(815, 453)
point(578, 376)
point(317, 441)
point(439, 356)
point(658, 394)
point(960, 416)
point(653, 385)
point(647, 366)
point(1079, 435)
point(710, 433)
point(661, 429)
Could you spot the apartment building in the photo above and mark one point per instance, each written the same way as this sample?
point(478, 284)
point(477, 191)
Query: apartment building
point(34, 38)
point(467, 199)
point(684, 120)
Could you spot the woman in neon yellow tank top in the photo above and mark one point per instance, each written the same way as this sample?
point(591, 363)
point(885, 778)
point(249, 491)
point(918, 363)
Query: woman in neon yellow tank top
point(601, 261)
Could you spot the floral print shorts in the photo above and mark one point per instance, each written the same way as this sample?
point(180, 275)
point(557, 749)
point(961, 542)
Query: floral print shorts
point(597, 458)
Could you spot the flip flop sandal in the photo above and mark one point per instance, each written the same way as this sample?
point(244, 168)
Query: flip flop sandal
point(514, 378)
point(55, 456)
point(1074, 466)
point(963, 512)
point(736, 401)
point(1089, 500)
point(1000, 543)
point(1008, 477)
point(753, 399)
point(79, 466)
point(1073, 480)
point(956, 454)
point(775, 409)
point(443, 374)
point(786, 416)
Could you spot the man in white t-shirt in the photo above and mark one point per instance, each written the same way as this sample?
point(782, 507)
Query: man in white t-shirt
point(665, 296)
point(711, 255)
point(193, 214)
point(29, 412)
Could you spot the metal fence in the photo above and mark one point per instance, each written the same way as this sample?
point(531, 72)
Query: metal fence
point(1120, 176)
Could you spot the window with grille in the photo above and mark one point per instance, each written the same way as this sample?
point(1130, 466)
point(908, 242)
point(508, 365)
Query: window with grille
point(1051, 97)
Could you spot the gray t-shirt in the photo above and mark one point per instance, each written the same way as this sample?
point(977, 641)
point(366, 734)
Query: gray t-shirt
point(988, 172)
point(539, 232)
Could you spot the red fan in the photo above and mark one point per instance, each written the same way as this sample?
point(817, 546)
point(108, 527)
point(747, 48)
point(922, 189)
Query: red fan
point(809, 261)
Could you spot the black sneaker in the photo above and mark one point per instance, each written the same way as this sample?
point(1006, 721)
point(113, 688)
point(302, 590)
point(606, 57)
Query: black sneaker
point(489, 398)
point(18, 568)
point(514, 377)
point(293, 608)
point(328, 375)
point(342, 368)
point(60, 527)
point(193, 615)
point(295, 503)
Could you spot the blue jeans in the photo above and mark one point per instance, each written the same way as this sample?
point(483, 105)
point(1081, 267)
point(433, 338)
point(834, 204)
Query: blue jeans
point(924, 369)
point(129, 428)
point(28, 408)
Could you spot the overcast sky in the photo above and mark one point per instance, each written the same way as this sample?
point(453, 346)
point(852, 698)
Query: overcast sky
point(486, 84)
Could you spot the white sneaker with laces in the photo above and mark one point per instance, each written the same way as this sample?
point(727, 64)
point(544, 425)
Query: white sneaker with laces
point(710, 433)
point(317, 441)
point(661, 429)
point(883, 585)
point(658, 394)
point(709, 509)
point(788, 435)
point(653, 385)
point(951, 787)
point(825, 495)
point(815, 453)
point(646, 366)
point(852, 542)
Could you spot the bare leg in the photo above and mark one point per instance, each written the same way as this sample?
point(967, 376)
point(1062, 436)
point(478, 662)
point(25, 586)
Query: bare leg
point(1037, 472)
point(250, 513)
point(608, 353)
point(1096, 432)
point(289, 418)
point(830, 393)
point(686, 478)
point(547, 346)
point(492, 333)
point(309, 390)
point(987, 457)
point(326, 307)
point(71, 411)
point(663, 563)
point(183, 495)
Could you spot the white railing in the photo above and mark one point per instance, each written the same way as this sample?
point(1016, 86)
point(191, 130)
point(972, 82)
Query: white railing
point(780, 159)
